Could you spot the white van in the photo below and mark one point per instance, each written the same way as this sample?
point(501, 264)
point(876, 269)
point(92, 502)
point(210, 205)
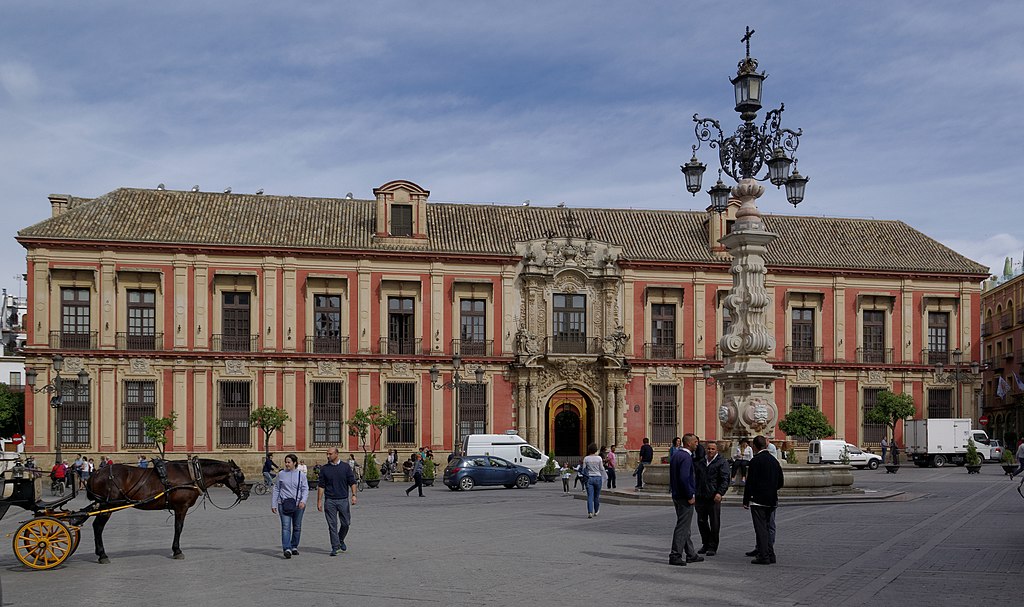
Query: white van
point(508, 446)
point(831, 452)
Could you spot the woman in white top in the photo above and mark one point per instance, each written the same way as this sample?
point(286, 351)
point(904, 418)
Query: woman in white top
point(593, 469)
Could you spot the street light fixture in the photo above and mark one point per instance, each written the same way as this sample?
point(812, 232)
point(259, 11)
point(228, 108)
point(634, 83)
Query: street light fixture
point(54, 388)
point(746, 152)
point(959, 376)
point(455, 385)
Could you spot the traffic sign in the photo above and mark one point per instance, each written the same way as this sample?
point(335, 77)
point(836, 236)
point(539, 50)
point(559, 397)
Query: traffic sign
point(983, 420)
point(17, 439)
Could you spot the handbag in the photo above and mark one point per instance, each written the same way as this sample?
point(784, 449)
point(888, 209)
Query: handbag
point(290, 505)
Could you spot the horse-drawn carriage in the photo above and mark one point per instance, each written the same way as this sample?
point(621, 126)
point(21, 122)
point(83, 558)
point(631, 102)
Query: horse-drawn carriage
point(53, 533)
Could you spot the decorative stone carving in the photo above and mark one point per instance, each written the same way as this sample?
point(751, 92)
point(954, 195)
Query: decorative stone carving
point(139, 366)
point(526, 342)
point(727, 414)
point(402, 370)
point(326, 367)
point(663, 373)
point(73, 364)
point(615, 344)
point(758, 414)
point(234, 367)
point(876, 377)
point(804, 375)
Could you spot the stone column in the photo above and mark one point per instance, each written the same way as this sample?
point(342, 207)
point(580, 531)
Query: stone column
point(748, 403)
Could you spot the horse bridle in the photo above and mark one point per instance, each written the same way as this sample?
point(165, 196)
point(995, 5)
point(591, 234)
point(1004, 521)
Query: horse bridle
point(236, 472)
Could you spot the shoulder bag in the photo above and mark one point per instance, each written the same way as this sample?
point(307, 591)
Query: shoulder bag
point(290, 506)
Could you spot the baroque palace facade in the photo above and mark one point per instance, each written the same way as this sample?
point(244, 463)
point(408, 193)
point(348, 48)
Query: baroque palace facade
point(587, 324)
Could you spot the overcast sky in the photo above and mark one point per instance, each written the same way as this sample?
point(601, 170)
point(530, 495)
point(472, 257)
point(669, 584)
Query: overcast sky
point(910, 110)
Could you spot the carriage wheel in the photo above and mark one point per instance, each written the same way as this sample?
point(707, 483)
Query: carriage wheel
point(44, 543)
point(76, 537)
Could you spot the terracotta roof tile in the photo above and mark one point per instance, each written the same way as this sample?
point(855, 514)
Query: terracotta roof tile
point(248, 220)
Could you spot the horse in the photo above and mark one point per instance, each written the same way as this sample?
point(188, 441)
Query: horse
point(119, 485)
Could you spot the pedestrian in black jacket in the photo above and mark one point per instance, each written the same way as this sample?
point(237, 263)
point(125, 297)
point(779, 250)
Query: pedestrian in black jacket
point(712, 483)
point(761, 497)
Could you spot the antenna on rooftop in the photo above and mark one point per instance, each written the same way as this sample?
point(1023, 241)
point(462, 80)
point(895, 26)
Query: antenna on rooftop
point(161, 187)
point(259, 192)
point(195, 188)
point(227, 190)
point(348, 196)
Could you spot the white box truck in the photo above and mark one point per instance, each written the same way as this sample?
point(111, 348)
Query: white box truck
point(937, 442)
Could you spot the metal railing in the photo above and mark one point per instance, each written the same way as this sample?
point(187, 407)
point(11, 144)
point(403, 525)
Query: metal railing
point(986, 328)
point(1020, 316)
point(401, 347)
point(934, 357)
point(659, 351)
point(327, 345)
point(562, 344)
point(1006, 321)
point(874, 355)
point(73, 341)
point(127, 341)
point(468, 347)
point(802, 354)
point(235, 343)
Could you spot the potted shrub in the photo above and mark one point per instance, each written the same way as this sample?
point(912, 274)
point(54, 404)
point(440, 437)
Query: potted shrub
point(429, 468)
point(313, 477)
point(371, 473)
point(890, 409)
point(549, 473)
point(1008, 462)
point(973, 459)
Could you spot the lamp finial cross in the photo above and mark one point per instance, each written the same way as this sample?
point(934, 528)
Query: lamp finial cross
point(746, 38)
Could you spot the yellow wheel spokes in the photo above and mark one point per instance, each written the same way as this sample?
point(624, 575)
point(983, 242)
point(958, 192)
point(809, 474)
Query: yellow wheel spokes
point(43, 543)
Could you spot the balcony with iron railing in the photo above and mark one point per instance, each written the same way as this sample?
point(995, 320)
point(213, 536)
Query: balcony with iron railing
point(663, 351)
point(471, 347)
point(572, 344)
point(60, 340)
point(152, 342)
point(235, 343)
point(1006, 321)
point(401, 347)
point(320, 344)
point(934, 357)
point(874, 355)
point(1020, 316)
point(804, 354)
point(986, 328)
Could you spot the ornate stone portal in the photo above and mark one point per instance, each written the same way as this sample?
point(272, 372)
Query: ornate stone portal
point(748, 403)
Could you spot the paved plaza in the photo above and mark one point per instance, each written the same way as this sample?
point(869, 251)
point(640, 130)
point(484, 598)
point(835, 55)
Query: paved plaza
point(956, 540)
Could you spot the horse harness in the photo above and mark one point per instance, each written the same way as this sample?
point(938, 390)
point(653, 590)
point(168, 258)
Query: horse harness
point(195, 472)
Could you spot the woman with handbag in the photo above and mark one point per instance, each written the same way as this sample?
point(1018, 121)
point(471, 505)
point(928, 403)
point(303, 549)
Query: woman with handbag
point(289, 501)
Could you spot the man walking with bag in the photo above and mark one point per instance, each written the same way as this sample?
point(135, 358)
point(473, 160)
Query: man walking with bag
point(761, 497)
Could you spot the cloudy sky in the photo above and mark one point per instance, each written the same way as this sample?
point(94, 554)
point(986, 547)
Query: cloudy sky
point(911, 110)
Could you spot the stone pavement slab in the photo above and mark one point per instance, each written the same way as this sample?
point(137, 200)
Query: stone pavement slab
point(960, 542)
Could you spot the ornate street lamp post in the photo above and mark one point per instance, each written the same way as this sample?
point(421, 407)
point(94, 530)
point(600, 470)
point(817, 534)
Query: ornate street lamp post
point(455, 386)
point(751, 154)
point(959, 376)
point(56, 401)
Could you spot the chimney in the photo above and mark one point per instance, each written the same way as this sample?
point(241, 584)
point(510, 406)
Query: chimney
point(59, 203)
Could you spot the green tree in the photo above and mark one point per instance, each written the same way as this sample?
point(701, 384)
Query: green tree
point(890, 409)
point(807, 422)
point(368, 425)
point(12, 411)
point(269, 420)
point(156, 428)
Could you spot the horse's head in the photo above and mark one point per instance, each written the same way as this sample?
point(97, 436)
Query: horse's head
point(235, 480)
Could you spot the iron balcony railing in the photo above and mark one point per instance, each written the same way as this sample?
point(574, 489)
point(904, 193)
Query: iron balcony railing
point(1020, 316)
point(934, 357)
point(127, 341)
point(986, 328)
point(235, 343)
point(473, 347)
point(401, 347)
point(572, 344)
point(874, 355)
point(327, 345)
point(1006, 321)
point(73, 341)
point(662, 351)
point(804, 354)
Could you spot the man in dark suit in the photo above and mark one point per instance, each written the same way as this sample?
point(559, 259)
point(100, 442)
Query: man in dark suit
point(712, 483)
point(761, 497)
point(683, 483)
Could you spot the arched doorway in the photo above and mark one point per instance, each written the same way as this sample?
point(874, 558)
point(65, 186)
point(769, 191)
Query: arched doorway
point(568, 424)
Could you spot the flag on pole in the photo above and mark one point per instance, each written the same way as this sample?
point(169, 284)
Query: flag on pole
point(1003, 388)
point(1020, 384)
